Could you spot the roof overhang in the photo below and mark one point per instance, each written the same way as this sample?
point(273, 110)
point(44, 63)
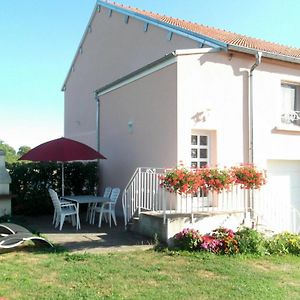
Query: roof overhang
point(266, 54)
point(202, 39)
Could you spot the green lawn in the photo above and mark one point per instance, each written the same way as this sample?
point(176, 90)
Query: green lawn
point(147, 275)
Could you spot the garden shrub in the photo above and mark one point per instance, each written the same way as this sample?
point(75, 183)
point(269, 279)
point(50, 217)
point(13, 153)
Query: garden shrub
point(220, 241)
point(284, 243)
point(187, 239)
point(244, 241)
point(250, 241)
point(30, 183)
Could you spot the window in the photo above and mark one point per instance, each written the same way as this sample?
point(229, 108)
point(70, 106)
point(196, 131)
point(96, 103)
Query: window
point(290, 104)
point(199, 150)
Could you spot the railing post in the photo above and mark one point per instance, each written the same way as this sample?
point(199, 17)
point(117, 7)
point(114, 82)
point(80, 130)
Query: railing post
point(124, 204)
point(192, 211)
point(139, 191)
point(164, 205)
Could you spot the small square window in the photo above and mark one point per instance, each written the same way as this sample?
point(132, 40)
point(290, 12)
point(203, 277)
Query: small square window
point(203, 153)
point(194, 140)
point(194, 165)
point(203, 140)
point(203, 164)
point(194, 153)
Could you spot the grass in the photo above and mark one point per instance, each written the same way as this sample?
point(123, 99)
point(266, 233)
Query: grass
point(147, 275)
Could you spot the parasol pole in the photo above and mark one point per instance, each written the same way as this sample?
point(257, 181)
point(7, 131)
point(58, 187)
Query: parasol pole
point(62, 179)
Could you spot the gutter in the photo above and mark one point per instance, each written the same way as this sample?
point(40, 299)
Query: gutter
point(168, 27)
point(266, 54)
point(250, 107)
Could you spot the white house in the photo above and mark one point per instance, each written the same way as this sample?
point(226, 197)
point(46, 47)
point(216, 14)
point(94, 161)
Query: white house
point(150, 90)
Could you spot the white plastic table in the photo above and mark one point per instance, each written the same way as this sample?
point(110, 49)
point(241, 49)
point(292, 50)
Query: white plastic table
point(85, 199)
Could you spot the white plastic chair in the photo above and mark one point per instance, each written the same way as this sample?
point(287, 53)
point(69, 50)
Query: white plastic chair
point(97, 206)
point(55, 212)
point(109, 207)
point(62, 210)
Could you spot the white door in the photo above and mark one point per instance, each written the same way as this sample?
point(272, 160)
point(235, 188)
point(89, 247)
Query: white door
point(281, 206)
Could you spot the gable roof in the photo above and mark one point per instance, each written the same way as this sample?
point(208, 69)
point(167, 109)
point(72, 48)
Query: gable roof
point(227, 37)
point(205, 35)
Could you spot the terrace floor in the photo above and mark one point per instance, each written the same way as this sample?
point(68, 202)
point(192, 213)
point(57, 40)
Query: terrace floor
point(90, 238)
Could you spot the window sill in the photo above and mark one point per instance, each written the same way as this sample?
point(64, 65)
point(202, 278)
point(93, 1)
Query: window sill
point(287, 129)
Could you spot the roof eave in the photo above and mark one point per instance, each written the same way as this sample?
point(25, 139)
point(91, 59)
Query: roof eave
point(80, 45)
point(266, 54)
point(201, 39)
point(175, 29)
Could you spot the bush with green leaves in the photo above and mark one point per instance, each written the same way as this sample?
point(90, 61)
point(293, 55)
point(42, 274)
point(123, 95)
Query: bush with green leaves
point(30, 183)
point(250, 241)
point(284, 243)
point(187, 239)
point(244, 241)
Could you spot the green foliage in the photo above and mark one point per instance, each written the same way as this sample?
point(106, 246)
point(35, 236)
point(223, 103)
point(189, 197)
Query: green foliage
point(250, 241)
point(11, 156)
point(30, 183)
point(223, 241)
point(284, 243)
point(9, 152)
point(188, 239)
point(23, 150)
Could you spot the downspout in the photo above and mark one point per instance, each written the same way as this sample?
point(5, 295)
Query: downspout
point(249, 213)
point(250, 108)
point(97, 98)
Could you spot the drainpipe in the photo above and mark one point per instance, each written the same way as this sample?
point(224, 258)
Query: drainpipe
point(249, 214)
point(97, 98)
point(250, 107)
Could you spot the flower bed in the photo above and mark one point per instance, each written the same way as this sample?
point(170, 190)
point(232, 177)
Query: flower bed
point(244, 241)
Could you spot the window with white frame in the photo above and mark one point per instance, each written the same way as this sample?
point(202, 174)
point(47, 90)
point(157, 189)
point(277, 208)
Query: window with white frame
point(290, 103)
point(199, 150)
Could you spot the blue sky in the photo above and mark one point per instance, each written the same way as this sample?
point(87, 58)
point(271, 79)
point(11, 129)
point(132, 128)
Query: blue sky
point(39, 40)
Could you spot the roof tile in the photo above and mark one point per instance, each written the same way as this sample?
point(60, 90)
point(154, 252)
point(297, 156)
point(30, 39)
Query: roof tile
point(221, 35)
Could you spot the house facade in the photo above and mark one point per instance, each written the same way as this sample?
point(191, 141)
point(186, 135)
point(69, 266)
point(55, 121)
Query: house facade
point(150, 91)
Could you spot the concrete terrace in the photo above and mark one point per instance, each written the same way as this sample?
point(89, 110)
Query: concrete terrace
point(90, 238)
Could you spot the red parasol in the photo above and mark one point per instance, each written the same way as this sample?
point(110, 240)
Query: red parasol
point(62, 150)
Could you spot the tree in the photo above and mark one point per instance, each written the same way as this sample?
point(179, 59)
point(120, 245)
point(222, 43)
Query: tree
point(9, 152)
point(23, 150)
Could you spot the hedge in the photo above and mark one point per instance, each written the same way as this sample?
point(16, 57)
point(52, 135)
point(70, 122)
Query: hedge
point(30, 183)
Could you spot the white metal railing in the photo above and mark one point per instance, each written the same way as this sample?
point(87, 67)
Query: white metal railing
point(290, 117)
point(274, 213)
point(144, 193)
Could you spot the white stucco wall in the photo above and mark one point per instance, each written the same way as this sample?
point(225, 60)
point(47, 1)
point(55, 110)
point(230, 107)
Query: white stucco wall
point(270, 143)
point(149, 104)
point(219, 82)
point(111, 50)
point(213, 84)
